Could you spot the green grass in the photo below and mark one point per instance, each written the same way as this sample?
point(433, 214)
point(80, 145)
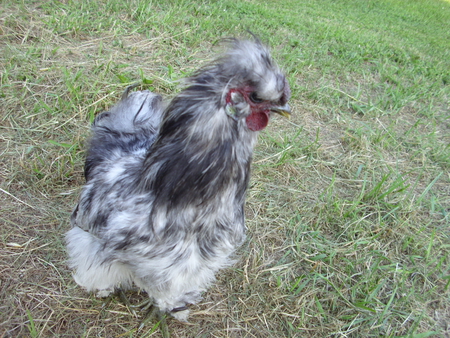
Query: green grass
point(348, 207)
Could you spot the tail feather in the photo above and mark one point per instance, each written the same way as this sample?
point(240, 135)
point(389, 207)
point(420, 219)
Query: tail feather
point(135, 112)
point(129, 128)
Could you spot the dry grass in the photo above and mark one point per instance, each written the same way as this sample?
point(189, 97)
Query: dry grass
point(348, 208)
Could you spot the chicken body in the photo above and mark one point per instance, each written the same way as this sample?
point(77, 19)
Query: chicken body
point(163, 204)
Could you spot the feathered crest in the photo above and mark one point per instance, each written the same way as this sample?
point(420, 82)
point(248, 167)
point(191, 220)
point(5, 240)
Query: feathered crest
point(238, 59)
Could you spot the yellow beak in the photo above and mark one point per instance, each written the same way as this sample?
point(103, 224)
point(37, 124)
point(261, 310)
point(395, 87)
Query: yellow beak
point(283, 111)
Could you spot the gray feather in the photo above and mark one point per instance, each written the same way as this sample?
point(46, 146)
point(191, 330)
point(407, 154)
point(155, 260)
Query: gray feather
point(163, 204)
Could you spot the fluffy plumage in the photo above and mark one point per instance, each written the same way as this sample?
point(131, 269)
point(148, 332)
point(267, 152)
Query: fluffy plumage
point(163, 204)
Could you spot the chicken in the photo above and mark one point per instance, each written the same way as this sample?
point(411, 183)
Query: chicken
point(163, 204)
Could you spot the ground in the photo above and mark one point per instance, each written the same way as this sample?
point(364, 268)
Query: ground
point(348, 205)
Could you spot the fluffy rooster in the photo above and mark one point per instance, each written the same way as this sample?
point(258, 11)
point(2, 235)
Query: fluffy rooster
point(163, 204)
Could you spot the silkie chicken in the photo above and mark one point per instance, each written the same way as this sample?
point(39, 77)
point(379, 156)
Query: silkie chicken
point(163, 204)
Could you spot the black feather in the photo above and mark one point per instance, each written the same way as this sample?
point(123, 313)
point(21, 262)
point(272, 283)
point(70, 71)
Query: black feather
point(163, 204)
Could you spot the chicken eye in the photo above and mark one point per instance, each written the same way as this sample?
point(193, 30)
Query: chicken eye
point(254, 98)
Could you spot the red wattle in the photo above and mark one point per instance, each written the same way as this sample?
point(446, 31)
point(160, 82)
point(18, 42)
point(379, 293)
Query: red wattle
point(257, 121)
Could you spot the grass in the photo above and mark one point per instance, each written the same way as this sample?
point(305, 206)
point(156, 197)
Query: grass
point(348, 206)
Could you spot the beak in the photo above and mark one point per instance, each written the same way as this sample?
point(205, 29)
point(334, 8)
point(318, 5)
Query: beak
point(283, 111)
